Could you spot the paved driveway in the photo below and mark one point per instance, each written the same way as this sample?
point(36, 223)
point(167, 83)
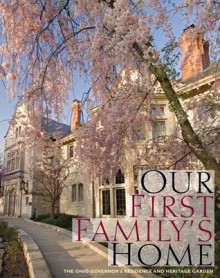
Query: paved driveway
point(65, 258)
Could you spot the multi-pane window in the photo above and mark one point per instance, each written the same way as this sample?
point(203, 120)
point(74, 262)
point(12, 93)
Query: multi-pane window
point(119, 178)
point(74, 193)
point(106, 202)
point(77, 192)
point(13, 161)
point(159, 129)
point(120, 202)
point(80, 192)
point(159, 126)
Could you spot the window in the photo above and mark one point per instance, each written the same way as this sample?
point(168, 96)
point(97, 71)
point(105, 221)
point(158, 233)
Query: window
point(106, 202)
point(157, 111)
point(80, 192)
point(74, 193)
point(71, 151)
point(159, 129)
point(27, 201)
point(119, 178)
point(120, 202)
point(13, 161)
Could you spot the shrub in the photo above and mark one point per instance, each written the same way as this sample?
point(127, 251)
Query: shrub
point(12, 247)
point(64, 221)
point(49, 221)
point(11, 234)
point(12, 250)
point(47, 216)
point(42, 217)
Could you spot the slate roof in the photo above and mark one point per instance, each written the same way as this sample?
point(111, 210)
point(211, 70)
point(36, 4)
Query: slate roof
point(51, 126)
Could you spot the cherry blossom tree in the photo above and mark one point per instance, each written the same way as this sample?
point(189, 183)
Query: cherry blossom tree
point(44, 43)
point(51, 172)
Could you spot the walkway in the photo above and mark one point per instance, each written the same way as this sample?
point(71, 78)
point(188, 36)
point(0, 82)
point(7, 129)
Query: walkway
point(65, 258)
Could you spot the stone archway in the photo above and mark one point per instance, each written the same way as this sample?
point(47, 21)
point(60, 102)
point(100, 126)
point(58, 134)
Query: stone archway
point(12, 201)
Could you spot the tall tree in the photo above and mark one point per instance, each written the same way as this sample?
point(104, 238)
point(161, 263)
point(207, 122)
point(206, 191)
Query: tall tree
point(51, 172)
point(101, 39)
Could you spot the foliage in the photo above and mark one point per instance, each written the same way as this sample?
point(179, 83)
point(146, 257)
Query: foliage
point(65, 221)
point(52, 172)
point(13, 249)
point(8, 233)
point(60, 219)
point(49, 221)
point(44, 216)
point(3, 227)
point(11, 234)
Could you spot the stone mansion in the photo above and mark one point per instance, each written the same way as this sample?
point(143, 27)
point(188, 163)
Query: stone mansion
point(95, 198)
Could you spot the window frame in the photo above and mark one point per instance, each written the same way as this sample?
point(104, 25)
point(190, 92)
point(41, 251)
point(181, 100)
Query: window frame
point(106, 202)
point(119, 177)
point(156, 130)
point(117, 200)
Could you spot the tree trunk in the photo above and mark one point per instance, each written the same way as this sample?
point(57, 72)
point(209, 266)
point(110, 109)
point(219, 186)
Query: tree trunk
point(52, 210)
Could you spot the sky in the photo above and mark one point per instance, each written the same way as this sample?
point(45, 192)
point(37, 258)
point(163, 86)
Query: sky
point(6, 112)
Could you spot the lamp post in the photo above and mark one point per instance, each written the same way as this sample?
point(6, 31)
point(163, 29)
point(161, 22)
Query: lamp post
point(23, 186)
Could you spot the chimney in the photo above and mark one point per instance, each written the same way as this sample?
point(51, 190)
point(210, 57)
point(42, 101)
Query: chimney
point(195, 52)
point(76, 111)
